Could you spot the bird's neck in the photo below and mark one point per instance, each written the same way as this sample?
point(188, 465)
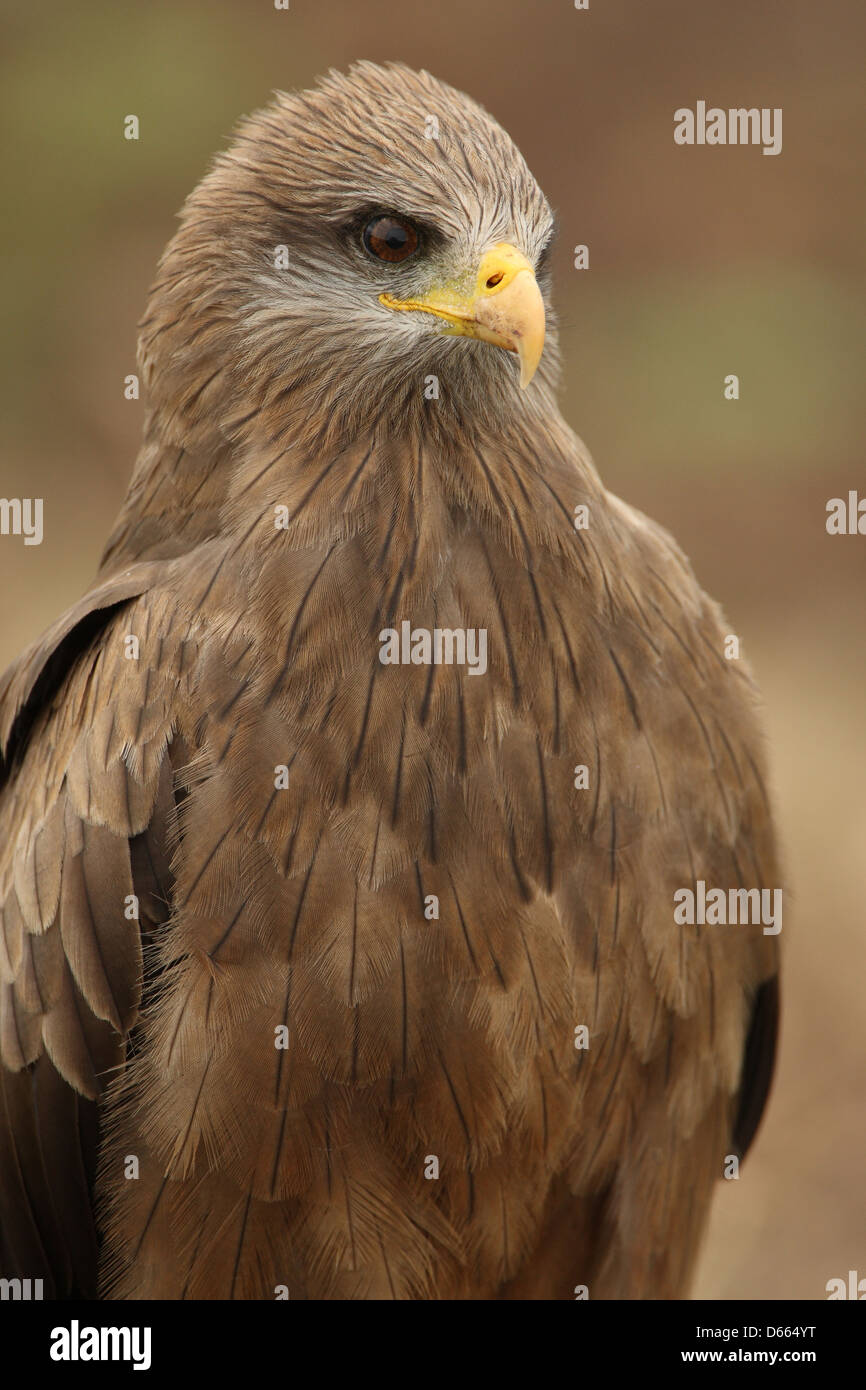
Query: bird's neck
point(405, 485)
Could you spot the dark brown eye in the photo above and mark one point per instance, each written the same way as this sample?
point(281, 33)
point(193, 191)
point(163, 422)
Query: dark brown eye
point(390, 238)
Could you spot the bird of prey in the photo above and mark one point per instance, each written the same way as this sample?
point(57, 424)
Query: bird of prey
point(342, 819)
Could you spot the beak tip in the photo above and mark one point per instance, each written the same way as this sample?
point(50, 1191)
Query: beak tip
point(529, 364)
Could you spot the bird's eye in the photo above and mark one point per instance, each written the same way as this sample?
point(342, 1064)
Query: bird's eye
point(390, 238)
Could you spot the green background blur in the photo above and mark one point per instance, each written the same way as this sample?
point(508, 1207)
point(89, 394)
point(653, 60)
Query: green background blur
point(704, 261)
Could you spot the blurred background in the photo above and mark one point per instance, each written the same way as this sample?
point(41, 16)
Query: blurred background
point(703, 262)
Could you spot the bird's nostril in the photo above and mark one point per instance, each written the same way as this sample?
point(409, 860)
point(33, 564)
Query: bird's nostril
point(494, 280)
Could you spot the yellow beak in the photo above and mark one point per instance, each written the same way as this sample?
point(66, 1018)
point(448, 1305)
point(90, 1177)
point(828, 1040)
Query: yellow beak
point(505, 307)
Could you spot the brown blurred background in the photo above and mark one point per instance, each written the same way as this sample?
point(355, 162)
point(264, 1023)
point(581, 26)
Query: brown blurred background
point(703, 262)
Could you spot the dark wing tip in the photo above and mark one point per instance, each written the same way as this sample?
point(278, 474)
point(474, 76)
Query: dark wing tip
point(758, 1064)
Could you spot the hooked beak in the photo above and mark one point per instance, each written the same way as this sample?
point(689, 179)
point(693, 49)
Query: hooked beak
point(505, 307)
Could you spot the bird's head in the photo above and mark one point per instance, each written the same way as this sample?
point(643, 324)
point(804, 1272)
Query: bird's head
point(372, 249)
